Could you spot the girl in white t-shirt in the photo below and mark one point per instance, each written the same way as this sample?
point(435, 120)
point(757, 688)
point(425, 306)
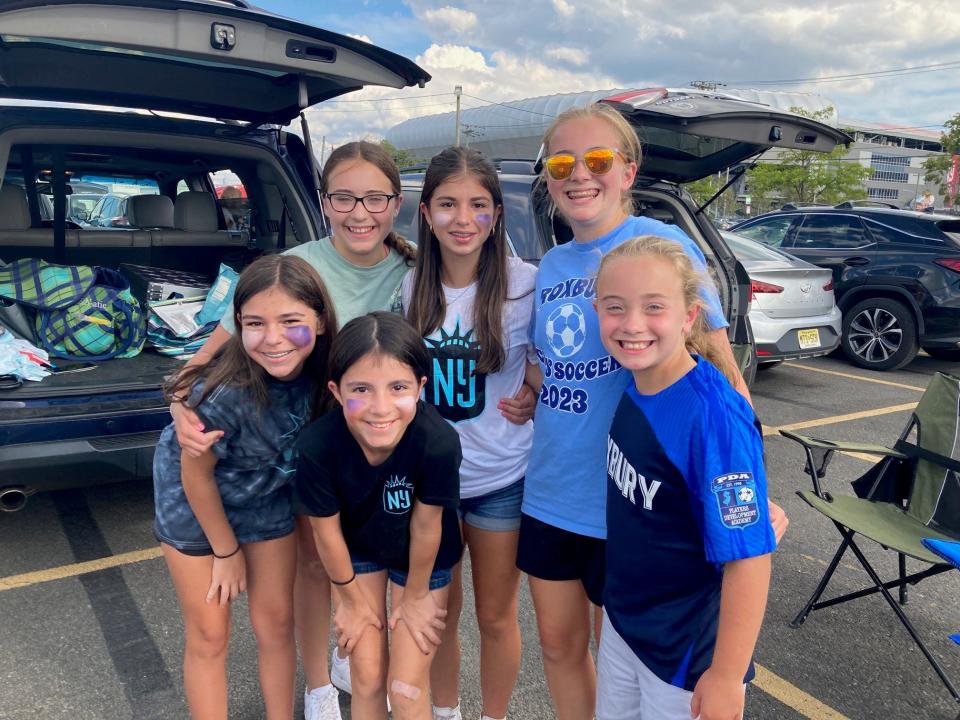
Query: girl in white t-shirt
point(472, 305)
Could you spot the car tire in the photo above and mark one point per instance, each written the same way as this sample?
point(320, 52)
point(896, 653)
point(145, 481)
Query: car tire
point(768, 365)
point(942, 353)
point(750, 372)
point(879, 334)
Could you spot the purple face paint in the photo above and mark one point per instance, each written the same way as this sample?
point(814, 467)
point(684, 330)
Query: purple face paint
point(484, 219)
point(356, 405)
point(299, 335)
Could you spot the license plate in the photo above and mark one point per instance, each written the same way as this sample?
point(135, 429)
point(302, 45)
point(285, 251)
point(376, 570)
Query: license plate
point(809, 338)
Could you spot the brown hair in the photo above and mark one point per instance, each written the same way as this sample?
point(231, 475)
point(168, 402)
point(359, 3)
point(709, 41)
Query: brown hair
point(629, 142)
point(231, 363)
point(428, 305)
point(691, 282)
point(381, 159)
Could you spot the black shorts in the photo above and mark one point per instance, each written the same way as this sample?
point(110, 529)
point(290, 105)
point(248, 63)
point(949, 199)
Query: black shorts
point(549, 553)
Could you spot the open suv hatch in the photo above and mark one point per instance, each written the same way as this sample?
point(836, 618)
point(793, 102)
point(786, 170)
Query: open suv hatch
point(201, 89)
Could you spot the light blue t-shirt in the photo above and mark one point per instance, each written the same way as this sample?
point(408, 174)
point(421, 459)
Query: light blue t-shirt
point(582, 383)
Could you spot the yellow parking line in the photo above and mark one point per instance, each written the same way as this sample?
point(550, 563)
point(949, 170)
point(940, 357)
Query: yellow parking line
point(774, 429)
point(853, 377)
point(793, 697)
point(64, 571)
point(768, 682)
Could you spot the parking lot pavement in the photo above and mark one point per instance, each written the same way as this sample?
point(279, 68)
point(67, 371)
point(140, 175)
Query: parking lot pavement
point(91, 627)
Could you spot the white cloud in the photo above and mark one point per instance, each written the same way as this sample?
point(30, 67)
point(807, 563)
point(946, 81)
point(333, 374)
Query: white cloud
point(574, 56)
point(564, 8)
point(365, 38)
point(450, 21)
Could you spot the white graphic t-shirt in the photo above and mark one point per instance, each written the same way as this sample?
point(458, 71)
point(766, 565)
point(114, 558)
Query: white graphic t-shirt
point(495, 450)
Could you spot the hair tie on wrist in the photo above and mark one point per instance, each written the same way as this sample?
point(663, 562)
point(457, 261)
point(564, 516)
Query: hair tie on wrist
point(228, 555)
point(341, 583)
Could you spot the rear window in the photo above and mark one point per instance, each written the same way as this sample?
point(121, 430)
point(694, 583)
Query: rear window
point(831, 231)
point(904, 230)
point(951, 228)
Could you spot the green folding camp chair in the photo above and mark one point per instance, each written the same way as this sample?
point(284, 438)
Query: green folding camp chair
point(912, 493)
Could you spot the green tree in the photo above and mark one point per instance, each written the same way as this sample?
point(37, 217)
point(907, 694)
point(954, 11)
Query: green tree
point(804, 176)
point(937, 166)
point(403, 158)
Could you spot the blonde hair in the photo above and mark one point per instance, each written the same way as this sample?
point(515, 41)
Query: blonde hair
point(626, 135)
point(691, 283)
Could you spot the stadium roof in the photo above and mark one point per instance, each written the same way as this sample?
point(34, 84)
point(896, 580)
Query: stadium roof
point(513, 129)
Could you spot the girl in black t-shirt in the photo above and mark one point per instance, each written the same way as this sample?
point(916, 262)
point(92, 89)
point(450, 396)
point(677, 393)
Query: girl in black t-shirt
point(380, 481)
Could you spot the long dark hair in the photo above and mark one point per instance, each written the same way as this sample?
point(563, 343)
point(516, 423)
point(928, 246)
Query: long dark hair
point(231, 364)
point(379, 158)
point(428, 305)
point(381, 333)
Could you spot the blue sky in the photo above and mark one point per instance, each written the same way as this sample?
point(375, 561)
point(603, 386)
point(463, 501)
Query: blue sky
point(503, 50)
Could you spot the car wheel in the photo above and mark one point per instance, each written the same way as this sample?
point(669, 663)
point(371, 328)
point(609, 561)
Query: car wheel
point(879, 334)
point(768, 365)
point(942, 353)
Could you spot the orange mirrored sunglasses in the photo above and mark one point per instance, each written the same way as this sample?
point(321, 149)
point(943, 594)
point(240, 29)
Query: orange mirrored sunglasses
point(598, 160)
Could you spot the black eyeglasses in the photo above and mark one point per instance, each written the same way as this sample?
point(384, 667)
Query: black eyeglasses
point(344, 202)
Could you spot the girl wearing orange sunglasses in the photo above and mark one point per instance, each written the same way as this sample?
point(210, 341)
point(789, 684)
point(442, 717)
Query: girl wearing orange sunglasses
point(592, 160)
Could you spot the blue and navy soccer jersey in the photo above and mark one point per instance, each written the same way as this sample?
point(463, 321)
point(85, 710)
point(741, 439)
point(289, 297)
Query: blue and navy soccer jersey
point(686, 493)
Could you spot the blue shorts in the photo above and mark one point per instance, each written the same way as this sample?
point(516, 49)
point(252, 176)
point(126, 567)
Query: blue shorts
point(438, 578)
point(498, 511)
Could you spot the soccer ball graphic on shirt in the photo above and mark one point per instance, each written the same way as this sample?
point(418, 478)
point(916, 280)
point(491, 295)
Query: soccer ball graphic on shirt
point(745, 494)
point(566, 330)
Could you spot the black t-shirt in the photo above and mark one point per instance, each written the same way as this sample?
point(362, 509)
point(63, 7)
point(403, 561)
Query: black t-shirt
point(375, 501)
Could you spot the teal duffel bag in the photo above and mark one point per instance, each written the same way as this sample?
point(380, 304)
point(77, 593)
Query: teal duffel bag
point(81, 311)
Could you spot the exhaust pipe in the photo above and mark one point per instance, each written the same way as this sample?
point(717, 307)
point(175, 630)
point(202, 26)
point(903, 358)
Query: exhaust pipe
point(14, 497)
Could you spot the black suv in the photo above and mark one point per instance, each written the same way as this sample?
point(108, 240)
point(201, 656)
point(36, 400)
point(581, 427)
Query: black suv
point(686, 135)
point(214, 83)
point(896, 275)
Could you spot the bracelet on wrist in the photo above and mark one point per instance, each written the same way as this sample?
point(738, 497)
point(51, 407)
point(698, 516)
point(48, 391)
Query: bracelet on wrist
point(228, 555)
point(341, 583)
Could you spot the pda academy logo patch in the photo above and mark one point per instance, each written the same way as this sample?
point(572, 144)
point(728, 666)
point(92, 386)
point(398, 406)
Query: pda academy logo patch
point(736, 499)
point(397, 495)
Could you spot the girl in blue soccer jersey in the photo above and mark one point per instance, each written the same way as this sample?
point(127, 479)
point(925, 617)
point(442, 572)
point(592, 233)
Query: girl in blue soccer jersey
point(379, 479)
point(686, 484)
point(591, 163)
point(472, 304)
point(224, 517)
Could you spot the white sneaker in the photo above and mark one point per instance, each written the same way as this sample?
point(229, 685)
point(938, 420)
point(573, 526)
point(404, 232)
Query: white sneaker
point(340, 672)
point(447, 713)
point(324, 706)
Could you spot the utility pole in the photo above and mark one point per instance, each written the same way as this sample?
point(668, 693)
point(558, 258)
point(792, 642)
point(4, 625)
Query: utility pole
point(323, 148)
point(457, 90)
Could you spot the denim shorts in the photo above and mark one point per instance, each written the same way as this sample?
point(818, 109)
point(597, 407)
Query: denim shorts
point(438, 578)
point(498, 511)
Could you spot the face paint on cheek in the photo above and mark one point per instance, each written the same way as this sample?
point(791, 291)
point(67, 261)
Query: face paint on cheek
point(484, 219)
point(405, 403)
point(354, 406)
point(300, 335)
point(442, 219)
point(251, 339)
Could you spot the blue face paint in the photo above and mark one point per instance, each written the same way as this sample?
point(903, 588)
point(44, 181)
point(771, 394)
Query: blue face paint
point(299, 335)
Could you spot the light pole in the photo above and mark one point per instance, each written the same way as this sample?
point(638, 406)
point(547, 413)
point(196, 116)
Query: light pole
point(457, 90)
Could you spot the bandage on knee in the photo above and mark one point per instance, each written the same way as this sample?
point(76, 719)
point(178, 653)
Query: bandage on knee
point(404, 690)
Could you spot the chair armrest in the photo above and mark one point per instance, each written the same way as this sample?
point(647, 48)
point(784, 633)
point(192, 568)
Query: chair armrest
point(840, 446)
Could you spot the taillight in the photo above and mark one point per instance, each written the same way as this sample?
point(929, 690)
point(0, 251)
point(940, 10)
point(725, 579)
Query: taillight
point(829, 286)
point(949, 263)
point(758, 287)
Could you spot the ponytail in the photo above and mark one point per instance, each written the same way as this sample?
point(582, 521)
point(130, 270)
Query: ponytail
point(402, 246)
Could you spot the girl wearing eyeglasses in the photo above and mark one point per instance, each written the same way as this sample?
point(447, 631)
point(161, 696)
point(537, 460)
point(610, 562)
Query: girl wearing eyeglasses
point(361, 263)
point(592, 160)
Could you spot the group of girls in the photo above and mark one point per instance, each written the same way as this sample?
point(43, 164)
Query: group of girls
point(307, 454)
